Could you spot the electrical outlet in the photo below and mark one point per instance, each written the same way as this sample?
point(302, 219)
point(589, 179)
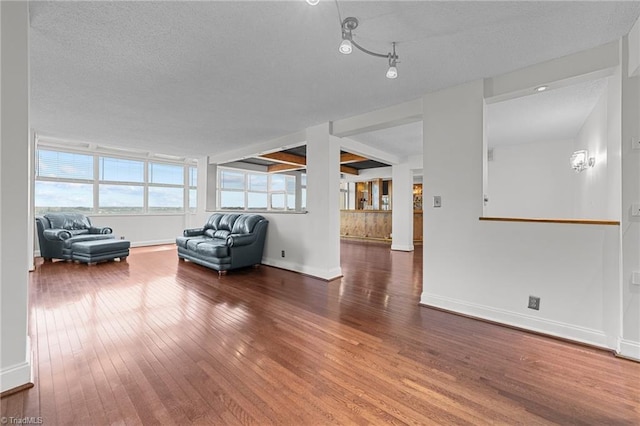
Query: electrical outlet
point(282, 253)
point(534, 303)
point(122, 237)
point(437, 201)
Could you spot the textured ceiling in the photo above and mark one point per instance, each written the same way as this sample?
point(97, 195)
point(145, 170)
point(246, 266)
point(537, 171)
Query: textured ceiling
point(554, 115)
point(404, 140)
point(195, 78)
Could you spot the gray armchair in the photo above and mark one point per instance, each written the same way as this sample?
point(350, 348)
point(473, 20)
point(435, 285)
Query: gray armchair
point(57, 232)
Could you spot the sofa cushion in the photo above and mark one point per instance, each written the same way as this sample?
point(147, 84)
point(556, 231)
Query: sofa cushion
point(213, 248)
point(212, 233)
point(214, 221)
point(68, 220)
point(245, 223)
point(182, 241)
point(87, 237)
point(227, 221)
point(58, 220)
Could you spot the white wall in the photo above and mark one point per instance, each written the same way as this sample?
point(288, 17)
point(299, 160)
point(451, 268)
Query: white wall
point(589, 187)
point(15, 351)
point(630, 227)
point(531, 180)
point(488, 269)
point(147, 229)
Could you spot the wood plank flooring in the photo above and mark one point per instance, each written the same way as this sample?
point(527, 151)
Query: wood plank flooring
point(158, 341)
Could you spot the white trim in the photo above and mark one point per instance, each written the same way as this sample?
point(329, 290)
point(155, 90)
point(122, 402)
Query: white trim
point(83, 147)
point(629, 349)
point(553, 328)
point(402, 247)
point(152, 242)
point(18, 374)
point(327, 275)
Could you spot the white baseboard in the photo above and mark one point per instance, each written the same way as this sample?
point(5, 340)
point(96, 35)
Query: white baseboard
point(18, 374)
point(324, 274)
point(402, 247)
point(152, 243)
point(629, 349)
point(545, 326)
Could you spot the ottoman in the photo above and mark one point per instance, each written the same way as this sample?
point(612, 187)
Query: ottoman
point(97, 250)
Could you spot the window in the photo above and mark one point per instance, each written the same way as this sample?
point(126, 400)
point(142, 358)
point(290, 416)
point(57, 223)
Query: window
point(70, 181)
point(59, 196)
point(121, 186)
point(168, 174)
point(64, 181)
point(166, 200)
point(64, 165)
point(245, 190)
point(166, 188)
point(120, 199)
point(257, 195)
point(120, 170)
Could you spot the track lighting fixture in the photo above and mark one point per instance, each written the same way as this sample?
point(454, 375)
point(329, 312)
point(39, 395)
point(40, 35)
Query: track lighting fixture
point(347, 43)
point(346, 46)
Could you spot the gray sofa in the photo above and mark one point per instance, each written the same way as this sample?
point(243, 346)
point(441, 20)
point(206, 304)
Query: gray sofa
point(71, 236)
point(227, 241)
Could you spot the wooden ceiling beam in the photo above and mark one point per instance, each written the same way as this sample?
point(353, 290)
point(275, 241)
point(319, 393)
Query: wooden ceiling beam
point(285, 157)
point(347, 157)
point(349, 170)
point(284, 167)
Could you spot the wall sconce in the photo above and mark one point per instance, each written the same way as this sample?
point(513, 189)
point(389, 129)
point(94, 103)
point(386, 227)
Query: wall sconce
point(580, 160)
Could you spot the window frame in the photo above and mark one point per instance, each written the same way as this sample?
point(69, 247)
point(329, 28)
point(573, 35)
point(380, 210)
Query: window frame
point(188, 166)
point(269, 191)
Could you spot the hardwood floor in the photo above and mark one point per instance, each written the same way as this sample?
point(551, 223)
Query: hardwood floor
point(158, 341)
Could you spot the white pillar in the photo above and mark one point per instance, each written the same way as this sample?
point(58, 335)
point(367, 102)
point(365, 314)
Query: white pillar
point(15, 355)
point(323, 202)
point(630, 303)
point(402, 208)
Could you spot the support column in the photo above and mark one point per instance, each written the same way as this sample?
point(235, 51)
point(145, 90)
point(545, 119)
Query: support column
point(15, 352)
point(630, 304)
point(402, 208)
point(323, 190)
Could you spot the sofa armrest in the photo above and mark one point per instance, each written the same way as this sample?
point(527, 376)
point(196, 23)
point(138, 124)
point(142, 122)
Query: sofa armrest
point(236, 240)
point(56, 234)
point(103, 230)
point(193, 232)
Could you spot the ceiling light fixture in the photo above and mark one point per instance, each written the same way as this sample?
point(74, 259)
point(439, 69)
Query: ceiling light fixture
point(540, 89)
point(346, 45)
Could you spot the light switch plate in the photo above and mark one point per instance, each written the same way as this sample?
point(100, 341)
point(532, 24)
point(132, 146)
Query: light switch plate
point(635, 210)
point(635, 278)
point(437, 201)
